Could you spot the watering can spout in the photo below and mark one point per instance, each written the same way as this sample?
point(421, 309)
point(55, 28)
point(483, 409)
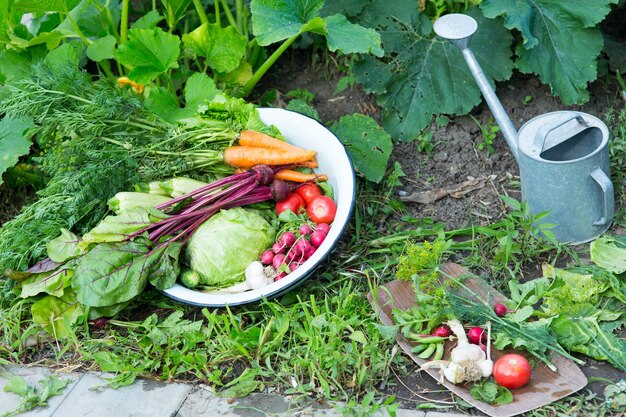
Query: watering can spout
point(458, 29)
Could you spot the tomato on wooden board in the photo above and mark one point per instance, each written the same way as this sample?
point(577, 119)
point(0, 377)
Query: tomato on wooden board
point(322, 210)
point(512, 371)
point(293, 202)
point(308, 192)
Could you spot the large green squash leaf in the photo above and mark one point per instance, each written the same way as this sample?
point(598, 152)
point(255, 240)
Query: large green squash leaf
point(369, 146)
point(149, 52)
point(13, 143)
point(422, 75)
point(349, 38)
point(277, 20)
point(223, 48)
point(561, 42)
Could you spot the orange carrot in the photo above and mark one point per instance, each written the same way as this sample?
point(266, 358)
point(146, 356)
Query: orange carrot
point(296, 176)
point(261, 140)
point(247, 156)
point(312, 163)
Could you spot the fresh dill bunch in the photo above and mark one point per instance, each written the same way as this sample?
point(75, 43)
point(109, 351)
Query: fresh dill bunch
point(423, 259)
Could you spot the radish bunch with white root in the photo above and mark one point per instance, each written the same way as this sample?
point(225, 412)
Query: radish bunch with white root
point(467, 362)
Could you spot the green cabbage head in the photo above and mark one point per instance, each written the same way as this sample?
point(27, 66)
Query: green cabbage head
point(223, 246)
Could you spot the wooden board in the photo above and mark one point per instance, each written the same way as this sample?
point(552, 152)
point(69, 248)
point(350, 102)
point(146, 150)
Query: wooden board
point(544, 387)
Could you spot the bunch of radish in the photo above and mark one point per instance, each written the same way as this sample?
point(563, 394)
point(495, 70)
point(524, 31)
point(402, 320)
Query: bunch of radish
point(293, 248)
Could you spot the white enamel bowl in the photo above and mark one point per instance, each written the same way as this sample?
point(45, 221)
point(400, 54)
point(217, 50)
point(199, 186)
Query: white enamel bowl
point(334, 161)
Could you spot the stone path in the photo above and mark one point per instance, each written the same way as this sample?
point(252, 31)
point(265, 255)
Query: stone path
point(87, 395)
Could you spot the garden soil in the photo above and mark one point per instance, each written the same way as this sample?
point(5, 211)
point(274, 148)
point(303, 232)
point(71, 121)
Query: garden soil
point(476, 177)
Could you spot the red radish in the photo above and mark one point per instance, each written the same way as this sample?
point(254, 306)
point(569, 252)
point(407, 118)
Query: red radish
point(443, 331)
point(99, 323)
point(475, 335)
point(323, 227)
point(483, 347)
point(267, 257)
point(278, 260)
point(280, 276)
point(278, 247)
point(305, 230)
point(293, 266)
point(287, 239)
point(309, 252)
point(500, 310)
point(317, 237)
point(301, 246)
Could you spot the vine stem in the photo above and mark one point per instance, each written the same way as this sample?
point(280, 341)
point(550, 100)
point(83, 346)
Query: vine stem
point(201, 13)
point(267, 65)
point(124, 21)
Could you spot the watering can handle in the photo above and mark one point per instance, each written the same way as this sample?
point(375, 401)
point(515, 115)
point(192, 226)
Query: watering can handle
point(544, 131)
point(607, 189)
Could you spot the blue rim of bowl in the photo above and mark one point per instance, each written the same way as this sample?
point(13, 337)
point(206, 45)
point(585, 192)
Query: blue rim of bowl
point(294, 285)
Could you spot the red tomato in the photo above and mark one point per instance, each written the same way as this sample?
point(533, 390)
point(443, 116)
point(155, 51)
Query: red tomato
point(512, 371)
point(308, 192)
point(322, 209)
point(293, 202)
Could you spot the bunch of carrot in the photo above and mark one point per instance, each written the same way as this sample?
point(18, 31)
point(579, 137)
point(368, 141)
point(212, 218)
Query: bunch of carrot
point(256, 148)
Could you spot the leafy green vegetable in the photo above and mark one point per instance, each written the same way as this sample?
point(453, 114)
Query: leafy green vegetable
point(13, 143)
point(422, 75)
point(349, 38)
point(223, 48)
point(102, 48)
point(149, 52)
point(51, 283)
point(609, 252)
point(34, 396)
point(57, 315)
point(223, 246)
point(580, 331)
point(64, 247)
point(491, 393)
point(369, 146)
point(113, 273)
point(561, 40)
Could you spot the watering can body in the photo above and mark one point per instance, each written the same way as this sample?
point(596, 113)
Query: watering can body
point(563, 160)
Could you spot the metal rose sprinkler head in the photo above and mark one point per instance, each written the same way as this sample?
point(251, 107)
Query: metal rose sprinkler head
point(457, 28)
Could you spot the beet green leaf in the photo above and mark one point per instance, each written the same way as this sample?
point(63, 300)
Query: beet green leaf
point(422, 75)
point(561, 41)
point(149, 52)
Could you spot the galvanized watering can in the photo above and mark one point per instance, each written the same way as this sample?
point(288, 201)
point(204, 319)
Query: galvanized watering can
point(563, 156)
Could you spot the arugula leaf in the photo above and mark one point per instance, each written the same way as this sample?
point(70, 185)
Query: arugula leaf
point(350, 38)
point(277, 20)
point(491, 393)
point(101, 48)
point(561, 40)
point(13, 143)
point(527, 293)
point(223, 48)
point(367, 143)
point(422, 75)
point(149, 52)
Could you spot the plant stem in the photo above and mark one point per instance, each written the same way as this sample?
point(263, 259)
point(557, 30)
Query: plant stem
point(201, 13)
point(218, 18)
point(267, 65)
point(78, 31)
point(124, 21)
point(229, 16)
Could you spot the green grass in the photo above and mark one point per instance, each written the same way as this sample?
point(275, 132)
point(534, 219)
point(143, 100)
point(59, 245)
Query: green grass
point(321, 340)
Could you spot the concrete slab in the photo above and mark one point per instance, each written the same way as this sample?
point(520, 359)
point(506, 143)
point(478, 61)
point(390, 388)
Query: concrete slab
point(93, 398)
point(32, 375)
point(444, 414)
